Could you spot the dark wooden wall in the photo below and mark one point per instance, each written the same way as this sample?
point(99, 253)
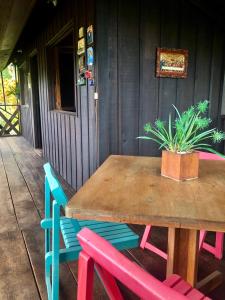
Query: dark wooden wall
point(26, 107)
point(69, 139)
point(126, 37)
point(26, 123)
point(128, 34)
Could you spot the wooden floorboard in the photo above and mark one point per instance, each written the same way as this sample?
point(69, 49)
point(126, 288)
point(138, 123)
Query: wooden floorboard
point(8, 219)
point(16, 278)
point(22, 240)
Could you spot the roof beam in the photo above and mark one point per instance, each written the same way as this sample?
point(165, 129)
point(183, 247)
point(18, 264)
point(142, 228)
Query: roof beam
point(13, 17)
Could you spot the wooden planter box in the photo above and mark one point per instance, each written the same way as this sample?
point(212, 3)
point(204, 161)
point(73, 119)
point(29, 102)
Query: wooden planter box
point(180, 166)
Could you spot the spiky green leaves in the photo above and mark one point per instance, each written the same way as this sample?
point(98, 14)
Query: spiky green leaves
point(189, 131)
point(148, 127)
point(218, 136)
point(202, 123)
point(159, 124)
point(202, 106)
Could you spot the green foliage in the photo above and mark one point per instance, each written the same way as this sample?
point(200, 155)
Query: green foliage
point(10, 86)
point(8, 95)
point(188, 132)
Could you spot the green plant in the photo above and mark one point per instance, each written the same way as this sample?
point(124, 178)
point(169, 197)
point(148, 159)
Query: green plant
point(188, 132)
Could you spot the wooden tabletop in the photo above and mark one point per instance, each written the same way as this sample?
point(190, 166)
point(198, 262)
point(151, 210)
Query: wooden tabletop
point(130, 189)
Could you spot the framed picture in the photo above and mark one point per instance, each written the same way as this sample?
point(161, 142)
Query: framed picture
point(171, 63)
point(81, 32)
point(90, 38)
point(81, 46)
point(90, 56)
point(81, 63)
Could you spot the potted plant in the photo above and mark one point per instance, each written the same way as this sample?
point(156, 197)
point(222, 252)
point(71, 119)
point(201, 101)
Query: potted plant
point(181, 140)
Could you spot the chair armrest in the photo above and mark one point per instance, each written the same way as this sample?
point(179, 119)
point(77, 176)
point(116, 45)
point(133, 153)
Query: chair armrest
point(46, 224)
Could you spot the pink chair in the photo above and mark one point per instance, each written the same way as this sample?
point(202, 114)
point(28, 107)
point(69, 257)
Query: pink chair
point(110, 264)
point(217, 250)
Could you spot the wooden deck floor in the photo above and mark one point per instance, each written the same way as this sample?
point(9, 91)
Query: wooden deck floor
point(22, 240)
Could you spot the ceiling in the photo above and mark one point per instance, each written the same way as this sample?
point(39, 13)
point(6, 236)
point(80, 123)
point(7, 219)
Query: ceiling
point(13, 17)
point(213, 8)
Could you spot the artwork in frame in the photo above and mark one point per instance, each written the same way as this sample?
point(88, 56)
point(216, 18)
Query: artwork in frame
point(81, 63)
point(172, 63)
point(81, 32)
point(90, 38)
point(90, 56)
point(81, 46)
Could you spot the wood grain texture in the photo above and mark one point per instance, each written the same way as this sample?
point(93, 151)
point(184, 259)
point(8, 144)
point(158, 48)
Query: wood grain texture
point(130, 189)
point(180, 166)
point(69, 139)
point(15, 269)
point(30, 166)
point(183, 254)
point(131, 94)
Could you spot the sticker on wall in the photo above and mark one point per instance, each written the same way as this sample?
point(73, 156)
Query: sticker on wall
point(90, 38)
point(81, 46)
point(81, 32)
point(81, 63)
point(90, 56)
point(81, 80)
point(88, 74)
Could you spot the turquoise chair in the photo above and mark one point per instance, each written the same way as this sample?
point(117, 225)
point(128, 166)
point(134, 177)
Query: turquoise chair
point(119, 235)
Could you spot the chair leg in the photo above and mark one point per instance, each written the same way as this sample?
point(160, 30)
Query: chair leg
point(144, 244)
point(47, 240)
point(48, 279)
point(216, 250)
point(145, 236)
point(202, 236)
point(109, 283)
point(55, 251)
point(219, 245)
point(85, 277)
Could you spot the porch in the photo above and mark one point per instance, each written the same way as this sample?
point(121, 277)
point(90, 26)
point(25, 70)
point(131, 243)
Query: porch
point(22, 240)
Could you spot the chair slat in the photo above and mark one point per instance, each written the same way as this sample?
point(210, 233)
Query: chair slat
point(120, 235)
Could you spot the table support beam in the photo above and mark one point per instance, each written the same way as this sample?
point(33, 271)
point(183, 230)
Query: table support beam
point(182, 253)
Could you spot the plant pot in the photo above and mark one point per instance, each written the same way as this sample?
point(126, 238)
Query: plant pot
point(180, 166)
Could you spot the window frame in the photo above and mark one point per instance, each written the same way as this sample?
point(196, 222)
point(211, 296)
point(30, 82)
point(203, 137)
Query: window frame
point(52, 43)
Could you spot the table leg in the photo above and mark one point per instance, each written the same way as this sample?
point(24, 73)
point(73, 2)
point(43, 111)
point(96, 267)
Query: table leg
point(183, 253)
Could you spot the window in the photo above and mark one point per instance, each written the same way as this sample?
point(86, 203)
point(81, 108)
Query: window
point(61, 74)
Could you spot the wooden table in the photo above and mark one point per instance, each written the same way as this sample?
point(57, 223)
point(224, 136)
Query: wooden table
point(130, 189)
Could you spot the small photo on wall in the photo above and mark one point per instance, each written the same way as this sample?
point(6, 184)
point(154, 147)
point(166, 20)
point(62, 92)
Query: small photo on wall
point(81, 63)
point(81, 46)
point(90, 56)
point(90, 38)
point(81, 32)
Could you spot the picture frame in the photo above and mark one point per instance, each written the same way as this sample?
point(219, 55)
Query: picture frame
point(90, 35)
point(81, 32)
point(171, 63)
point(81, 64)
point(81, 46)
point(90, 56)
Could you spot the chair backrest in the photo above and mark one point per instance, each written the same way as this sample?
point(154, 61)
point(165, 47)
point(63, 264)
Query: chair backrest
point(113, 263)
point(210, 156)
point(53, 186)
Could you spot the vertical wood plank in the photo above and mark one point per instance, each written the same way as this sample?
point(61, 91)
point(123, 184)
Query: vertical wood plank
point(129, 72)
point(169, 39)
point(149, 84)
point(104, 86)
point(73, 153)
point(68, 150)
point(203, 60)
point(183, 253)
point(187, 40)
